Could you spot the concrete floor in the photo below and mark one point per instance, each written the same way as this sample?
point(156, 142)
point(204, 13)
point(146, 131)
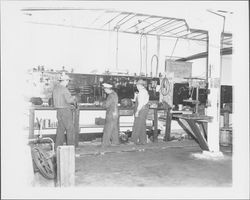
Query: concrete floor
point(164, 164)
point(156, 164)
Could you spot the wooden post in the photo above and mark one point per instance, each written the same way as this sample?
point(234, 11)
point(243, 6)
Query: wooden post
point(65, 166)
point(155, 137)
point(31, 123)
point(214, 88)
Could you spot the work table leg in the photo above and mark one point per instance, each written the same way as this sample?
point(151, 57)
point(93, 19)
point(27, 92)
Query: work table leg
point(76, 126)
point(168, 126)
point(155, 136)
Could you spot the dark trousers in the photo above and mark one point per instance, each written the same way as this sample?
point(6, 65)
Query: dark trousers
point(65, 123)
point(110, 132)
point(139, 135)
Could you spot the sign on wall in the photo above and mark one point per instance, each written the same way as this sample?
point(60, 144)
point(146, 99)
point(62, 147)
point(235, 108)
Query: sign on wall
point(178, 69)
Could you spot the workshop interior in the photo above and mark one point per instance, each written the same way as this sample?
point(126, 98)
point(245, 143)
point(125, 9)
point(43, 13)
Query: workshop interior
point(181, 57)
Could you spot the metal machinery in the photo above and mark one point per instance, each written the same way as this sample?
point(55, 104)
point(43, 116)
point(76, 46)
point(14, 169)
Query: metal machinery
point(197, 84)
point(88, 87)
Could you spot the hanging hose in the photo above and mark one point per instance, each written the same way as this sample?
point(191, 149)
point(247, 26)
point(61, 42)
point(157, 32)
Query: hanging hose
point(142, 35)
point(165, 85)
point(157, 62)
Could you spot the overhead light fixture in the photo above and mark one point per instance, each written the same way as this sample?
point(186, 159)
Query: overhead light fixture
point(223, 11)
point(29, 14)
point(117, 27)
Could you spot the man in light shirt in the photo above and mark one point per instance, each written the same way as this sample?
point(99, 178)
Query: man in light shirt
point(141, 111)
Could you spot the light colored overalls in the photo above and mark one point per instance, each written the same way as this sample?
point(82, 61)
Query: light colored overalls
point(139, 135)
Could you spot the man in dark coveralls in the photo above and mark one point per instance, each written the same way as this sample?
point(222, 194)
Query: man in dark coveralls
point(63, 102)
point(111, 127)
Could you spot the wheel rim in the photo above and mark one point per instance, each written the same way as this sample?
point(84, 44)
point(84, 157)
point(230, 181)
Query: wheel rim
point(43, 163)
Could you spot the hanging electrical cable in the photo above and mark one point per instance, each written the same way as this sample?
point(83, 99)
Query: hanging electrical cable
point(174, 48)
point(165, 85)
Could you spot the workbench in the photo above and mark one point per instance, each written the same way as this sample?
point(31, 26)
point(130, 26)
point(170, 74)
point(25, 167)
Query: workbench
point(91, 109)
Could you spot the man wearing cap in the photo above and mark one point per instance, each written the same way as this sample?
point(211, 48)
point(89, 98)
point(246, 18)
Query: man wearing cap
point(111, 127)
point(63, 102)
point(141, 111)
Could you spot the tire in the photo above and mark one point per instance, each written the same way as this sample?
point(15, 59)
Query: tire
point(43, 163)
point(165, 87)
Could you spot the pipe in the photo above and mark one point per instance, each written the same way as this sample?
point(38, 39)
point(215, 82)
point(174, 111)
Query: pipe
point(158, 54)
point(117, 39)
point(157, 62)
point(141, 53)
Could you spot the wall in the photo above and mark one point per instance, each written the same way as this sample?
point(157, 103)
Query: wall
point(199, 69)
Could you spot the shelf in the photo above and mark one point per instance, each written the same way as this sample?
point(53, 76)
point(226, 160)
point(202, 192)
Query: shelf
point(122, 124)
point(45, 129)
point(191, 101)
point(90, 126)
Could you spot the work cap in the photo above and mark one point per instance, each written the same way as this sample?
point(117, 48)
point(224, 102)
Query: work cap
point(141, 82)
point(64, 77)
point(106, 85)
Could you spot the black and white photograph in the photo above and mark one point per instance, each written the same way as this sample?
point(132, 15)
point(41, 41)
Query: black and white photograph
point(125, 100)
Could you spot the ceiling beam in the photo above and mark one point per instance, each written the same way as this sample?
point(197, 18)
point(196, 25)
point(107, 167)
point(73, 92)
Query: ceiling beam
point(224, 51)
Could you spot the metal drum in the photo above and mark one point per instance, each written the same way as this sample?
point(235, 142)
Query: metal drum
point(225, 137)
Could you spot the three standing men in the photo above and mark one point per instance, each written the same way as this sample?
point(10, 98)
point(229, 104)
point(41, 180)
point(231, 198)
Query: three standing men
point(63, 101)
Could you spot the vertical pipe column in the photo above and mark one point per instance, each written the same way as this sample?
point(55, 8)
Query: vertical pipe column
point(117, 45)
point(158, 54)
